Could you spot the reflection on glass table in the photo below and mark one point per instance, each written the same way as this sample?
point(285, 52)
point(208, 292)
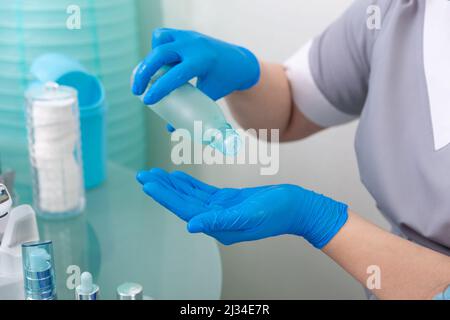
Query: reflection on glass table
point(124, 236)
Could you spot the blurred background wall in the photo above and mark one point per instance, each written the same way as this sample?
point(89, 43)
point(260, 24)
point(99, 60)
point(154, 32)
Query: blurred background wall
point(282, 268)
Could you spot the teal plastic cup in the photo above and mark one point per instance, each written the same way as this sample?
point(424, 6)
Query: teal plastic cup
point(52, 5)
point(12, 119)
point(63, 36)
point(56, 17)
point(91, 99)
point(14, 52)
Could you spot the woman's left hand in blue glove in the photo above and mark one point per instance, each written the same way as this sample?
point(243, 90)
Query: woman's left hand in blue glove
point(237, 215)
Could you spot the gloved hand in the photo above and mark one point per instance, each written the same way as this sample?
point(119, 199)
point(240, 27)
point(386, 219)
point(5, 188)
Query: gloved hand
point(221, 67)
point(236, 215)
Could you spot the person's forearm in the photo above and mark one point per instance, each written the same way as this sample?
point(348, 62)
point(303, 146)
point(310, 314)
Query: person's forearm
point(408, 271)
point(269, 105)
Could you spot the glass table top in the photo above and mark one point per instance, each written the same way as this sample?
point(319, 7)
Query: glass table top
point(124, 236)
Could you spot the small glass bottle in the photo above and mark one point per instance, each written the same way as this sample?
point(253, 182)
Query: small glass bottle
point(55, 150)
point(38, 271)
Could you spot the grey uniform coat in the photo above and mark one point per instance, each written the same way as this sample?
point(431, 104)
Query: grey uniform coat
point(396, 80)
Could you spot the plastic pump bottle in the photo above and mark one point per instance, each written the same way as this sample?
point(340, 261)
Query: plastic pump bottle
point(186, 106)
point(38, 271)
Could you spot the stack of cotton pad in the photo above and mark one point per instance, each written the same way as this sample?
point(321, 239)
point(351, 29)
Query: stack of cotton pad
point(54, 144)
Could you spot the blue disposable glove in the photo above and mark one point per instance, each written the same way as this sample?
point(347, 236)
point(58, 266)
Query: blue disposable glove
point(220, 67)
point(237, 215)
point(444, 295)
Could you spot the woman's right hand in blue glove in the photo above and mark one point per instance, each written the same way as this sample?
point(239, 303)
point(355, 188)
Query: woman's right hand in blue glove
point(220, 67)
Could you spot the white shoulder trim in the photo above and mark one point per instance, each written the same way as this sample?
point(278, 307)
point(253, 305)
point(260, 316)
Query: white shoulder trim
point(307, 96)
point(436, 46)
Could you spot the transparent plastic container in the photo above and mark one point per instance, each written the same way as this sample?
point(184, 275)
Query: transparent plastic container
point(38, 271)
point(187, 106)
point(55, 150)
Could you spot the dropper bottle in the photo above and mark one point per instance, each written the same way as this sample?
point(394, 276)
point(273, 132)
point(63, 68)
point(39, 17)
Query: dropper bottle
point(87, 290)
point(186, 106)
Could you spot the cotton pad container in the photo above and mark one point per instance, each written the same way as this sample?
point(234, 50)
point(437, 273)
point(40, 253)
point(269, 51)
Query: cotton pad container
point(55, 152)
point(55, 67)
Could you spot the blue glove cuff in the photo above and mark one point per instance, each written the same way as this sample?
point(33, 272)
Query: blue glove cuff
point(326, 217)
point(336, 220)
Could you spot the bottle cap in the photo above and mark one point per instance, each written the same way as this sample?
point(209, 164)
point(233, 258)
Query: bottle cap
point(130, 291)
point(226, 140)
